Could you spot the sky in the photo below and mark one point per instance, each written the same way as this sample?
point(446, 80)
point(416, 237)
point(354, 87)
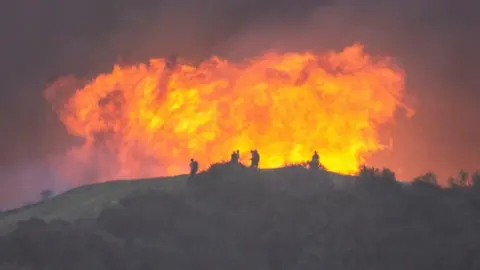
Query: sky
point(435, 42)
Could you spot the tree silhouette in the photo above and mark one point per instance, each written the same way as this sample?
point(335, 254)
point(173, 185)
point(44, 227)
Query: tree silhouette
point(460, 181)
point(475, 179)
point(388, 175)
point(46, 194)
point(368, 172)
point(374, 178)
point(428, 178)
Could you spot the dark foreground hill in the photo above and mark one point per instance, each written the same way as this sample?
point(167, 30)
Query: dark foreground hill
point(235, 218)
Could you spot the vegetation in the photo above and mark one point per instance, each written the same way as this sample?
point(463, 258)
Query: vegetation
point(232, 217)
point(46, 194)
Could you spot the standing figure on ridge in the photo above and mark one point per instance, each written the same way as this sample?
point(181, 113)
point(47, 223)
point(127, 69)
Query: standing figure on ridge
point(255, 159)
point(171, 62)
point(315, 162)
point(235, 157)
point(193, 168)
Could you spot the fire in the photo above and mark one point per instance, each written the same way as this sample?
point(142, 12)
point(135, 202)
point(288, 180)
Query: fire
point(150, 119)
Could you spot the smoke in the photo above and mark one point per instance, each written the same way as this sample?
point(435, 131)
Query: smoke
point(434, 41)
point(31, 178)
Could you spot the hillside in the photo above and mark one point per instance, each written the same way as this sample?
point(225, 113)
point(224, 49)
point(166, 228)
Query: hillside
point(89, 200)
point(232, 217)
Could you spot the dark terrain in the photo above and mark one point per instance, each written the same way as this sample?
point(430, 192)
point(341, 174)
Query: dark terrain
point(231, 217)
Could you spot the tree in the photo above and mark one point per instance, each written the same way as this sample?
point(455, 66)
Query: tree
point(428, 178)
point(461, 181)
point(368, 173)
point(389, 175)
point(475, 179)
point(46, 194)
point(371, 177)
point(463, 178)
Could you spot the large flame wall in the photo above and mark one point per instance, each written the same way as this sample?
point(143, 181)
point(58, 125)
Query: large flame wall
point(149, 119)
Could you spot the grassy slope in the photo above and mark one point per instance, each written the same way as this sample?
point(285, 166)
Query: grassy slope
point(88, 201)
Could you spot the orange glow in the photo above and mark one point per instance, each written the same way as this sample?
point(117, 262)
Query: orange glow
point(148, 120)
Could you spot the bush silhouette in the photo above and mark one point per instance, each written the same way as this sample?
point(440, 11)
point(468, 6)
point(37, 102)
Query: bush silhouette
point(46, 194)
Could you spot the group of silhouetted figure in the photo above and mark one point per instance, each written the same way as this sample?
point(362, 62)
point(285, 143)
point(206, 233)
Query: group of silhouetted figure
point(314, 163)
point(254, 160)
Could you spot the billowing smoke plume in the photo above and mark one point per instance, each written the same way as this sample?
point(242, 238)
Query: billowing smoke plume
point(434, 41)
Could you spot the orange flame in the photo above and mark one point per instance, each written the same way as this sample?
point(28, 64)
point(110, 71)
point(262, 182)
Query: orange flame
point(149, 119)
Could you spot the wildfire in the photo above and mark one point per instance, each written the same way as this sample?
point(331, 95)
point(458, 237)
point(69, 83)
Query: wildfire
point(149, 119)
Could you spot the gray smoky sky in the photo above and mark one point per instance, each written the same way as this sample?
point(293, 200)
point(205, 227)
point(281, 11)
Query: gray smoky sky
point(436, 42)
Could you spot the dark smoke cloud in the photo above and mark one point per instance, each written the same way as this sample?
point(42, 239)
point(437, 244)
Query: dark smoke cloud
point(434, 41)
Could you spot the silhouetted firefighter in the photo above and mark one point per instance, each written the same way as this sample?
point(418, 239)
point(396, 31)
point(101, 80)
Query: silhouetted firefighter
point(235, 157)
point(171, 62)
point(193, 167)
point(315, 162)
point(255, 159)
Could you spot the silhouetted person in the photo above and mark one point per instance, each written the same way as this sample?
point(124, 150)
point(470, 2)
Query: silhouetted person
point(235, 157)
point(193, 167)
point(315, 162)
point(255, 159)
point(171, 62)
